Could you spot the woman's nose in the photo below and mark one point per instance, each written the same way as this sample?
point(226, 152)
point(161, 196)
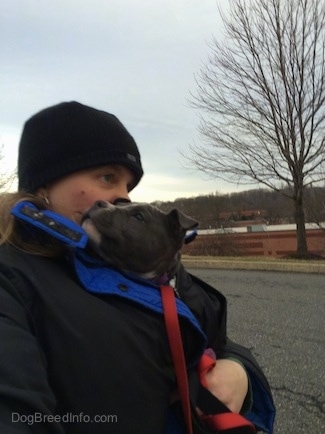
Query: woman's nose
point(120, 195)
point(121, 200)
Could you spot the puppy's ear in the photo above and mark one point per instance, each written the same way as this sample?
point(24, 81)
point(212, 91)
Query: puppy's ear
point(181, 221)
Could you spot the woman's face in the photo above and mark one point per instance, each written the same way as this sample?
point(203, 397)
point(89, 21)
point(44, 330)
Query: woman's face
point(73, 194)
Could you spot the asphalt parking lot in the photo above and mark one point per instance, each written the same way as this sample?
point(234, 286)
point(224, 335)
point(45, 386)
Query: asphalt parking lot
point(280, 317)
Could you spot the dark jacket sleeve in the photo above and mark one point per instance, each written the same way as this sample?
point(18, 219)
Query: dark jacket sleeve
point(262, 413)
point(210, 308)
point(27, 403)
point(208, 305)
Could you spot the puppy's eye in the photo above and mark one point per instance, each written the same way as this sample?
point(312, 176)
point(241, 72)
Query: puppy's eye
point(139, 216)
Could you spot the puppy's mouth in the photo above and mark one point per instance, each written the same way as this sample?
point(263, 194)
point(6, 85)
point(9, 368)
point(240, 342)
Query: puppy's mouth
point(88, 224)
point(90, 228)
point(90, 213)
point(85, 216)
point(95, 220)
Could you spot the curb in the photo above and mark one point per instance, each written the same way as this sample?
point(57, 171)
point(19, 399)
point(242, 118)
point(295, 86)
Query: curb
point(220, 264)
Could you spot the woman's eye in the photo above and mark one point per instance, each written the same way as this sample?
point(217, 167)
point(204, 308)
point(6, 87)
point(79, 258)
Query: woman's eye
point(139, 216)
point(108, 177)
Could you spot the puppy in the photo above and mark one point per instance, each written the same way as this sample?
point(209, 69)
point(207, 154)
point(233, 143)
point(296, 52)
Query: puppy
point(137, 237)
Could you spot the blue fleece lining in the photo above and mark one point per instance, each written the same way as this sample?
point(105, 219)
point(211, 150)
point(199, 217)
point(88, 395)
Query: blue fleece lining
point(98, 278)
point(262, 414)
point(101, 279)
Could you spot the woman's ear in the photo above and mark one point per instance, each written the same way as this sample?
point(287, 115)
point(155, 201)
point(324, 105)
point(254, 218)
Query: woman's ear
point(42, 194)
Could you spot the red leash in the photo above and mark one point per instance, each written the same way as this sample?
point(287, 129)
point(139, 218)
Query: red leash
point(218, 422)
point(176, 346)
point(226, 420)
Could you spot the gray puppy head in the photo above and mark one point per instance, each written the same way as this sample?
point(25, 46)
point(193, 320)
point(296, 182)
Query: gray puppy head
point(136, 237)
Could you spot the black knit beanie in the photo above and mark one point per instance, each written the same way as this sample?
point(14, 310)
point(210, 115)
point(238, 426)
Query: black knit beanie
point(69, 137)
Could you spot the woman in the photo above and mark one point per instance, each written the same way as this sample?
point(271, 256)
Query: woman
point(75, 361)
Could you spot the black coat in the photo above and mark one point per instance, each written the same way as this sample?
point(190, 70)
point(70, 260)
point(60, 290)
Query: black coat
point(76, 362)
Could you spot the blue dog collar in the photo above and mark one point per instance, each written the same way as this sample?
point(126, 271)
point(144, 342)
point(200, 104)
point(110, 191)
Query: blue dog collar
point(54, 224)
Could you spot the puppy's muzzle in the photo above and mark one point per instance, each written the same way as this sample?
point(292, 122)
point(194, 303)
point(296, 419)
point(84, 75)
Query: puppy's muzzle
point(100, 204)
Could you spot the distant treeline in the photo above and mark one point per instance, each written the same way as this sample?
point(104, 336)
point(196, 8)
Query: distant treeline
point(263, 205)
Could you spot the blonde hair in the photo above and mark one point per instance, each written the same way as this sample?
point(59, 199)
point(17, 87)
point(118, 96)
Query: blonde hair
point(11, 230)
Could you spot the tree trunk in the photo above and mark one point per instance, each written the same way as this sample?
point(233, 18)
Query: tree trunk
point(302, 248)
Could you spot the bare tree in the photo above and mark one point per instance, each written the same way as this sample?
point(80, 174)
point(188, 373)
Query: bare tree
point(6, 178)
point(262, 93)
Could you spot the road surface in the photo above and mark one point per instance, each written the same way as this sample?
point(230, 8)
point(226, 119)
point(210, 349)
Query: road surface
point(280, 316)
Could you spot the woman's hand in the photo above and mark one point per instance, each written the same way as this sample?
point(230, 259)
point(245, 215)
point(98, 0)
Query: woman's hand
point(228, 381)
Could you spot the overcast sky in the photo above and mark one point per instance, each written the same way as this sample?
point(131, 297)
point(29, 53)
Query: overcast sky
point(134, 58)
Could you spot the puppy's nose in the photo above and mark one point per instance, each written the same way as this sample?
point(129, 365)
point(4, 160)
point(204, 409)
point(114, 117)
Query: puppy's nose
point(100, 204)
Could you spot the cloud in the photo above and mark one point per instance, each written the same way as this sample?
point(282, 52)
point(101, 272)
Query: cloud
point(136, 59)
